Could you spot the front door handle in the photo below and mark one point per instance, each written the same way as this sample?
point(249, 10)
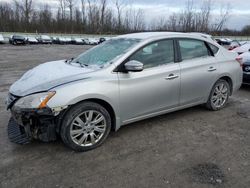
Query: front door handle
point(171, 77)
point(211, 69)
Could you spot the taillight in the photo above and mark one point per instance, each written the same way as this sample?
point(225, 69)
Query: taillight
point(240, 60)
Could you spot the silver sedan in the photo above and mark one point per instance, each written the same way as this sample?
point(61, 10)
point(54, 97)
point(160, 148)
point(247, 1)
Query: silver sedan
point(125, 79)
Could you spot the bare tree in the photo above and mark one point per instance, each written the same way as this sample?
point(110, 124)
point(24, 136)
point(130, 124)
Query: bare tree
point(62, 5)
point(44, 18)
point(17, 11)
point(133, 20)
point(173, 22)
point(138, 20)
point(26, 7)
point(188, 16)
point(93, 16)
point(224, 16)
point(70, 4)
point(83, 9)
point(99, 16)
point(119, 7)
point(205, 15)
point(103, 10)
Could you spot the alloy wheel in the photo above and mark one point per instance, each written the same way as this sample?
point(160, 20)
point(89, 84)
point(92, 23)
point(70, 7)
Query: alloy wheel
point(220, 95)
point(88, 128)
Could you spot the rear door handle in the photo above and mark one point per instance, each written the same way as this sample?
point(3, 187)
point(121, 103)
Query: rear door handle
point(171, 77)
point(211, 69)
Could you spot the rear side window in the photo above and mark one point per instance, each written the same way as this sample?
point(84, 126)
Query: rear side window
point(214, 48)
point(191, 48)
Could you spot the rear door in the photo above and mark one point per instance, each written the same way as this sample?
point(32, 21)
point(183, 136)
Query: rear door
point(199, 70)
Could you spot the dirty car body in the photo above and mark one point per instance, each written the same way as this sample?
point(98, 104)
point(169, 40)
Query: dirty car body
point(131, 77)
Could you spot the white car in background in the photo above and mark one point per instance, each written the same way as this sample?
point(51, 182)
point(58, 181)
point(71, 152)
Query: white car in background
point(62, 40)
point(44, 39)
point(68, 40)
point(93, 41)
point(242, 49)
point(245, 56)
point(244, 42)
point(85, 40)
point(77, 41)
point(31, 40)
point(1, 39)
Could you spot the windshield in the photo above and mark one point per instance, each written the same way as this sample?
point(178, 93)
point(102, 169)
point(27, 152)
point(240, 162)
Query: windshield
point(105, 52)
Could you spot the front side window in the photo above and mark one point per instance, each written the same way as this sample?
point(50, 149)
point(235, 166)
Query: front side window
point(155, 54)
point(192, 49)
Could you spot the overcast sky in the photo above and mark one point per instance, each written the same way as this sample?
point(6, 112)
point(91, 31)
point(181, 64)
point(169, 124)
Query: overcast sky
point(239, 16)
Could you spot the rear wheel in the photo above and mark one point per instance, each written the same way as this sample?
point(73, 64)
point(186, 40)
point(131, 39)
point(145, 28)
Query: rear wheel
point(219, 95)
point(85, 126)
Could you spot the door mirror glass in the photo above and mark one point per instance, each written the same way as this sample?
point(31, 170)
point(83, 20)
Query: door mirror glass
point(133, 66)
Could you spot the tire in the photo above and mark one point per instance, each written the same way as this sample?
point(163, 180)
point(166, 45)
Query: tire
point(219, 95)
point(80, 130)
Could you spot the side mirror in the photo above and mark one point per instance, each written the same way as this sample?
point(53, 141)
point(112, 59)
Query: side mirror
point(134, 66)
point(249, 49)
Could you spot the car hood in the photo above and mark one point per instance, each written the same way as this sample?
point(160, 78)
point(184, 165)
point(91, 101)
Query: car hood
point(47, 76)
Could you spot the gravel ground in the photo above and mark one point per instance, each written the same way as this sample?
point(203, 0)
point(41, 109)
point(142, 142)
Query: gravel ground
point(189, 148)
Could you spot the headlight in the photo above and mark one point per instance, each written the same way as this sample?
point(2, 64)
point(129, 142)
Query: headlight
point(38, 100)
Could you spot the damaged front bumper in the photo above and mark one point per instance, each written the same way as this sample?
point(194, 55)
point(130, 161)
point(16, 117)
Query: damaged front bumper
point(27, 124)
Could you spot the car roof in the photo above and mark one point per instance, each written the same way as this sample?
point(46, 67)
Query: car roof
point(152, 35)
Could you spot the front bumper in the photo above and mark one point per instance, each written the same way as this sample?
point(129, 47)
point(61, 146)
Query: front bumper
point(32, 124)
point(17, 133)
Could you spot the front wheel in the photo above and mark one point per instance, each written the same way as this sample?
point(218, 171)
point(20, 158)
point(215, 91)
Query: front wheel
point(85, 126)
point(219, 95)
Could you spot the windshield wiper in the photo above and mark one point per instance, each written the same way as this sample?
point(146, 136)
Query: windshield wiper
point(82, 64)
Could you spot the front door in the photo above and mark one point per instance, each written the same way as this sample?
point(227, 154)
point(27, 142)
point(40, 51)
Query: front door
point(154, 89)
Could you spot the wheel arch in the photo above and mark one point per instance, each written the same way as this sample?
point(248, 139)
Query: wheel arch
point(221, 77)
point(108, 107)
point(229, 80)
point(105, 104)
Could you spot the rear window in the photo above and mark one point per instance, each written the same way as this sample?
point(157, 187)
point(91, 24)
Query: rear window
point(214, 48)
point(18, 37)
